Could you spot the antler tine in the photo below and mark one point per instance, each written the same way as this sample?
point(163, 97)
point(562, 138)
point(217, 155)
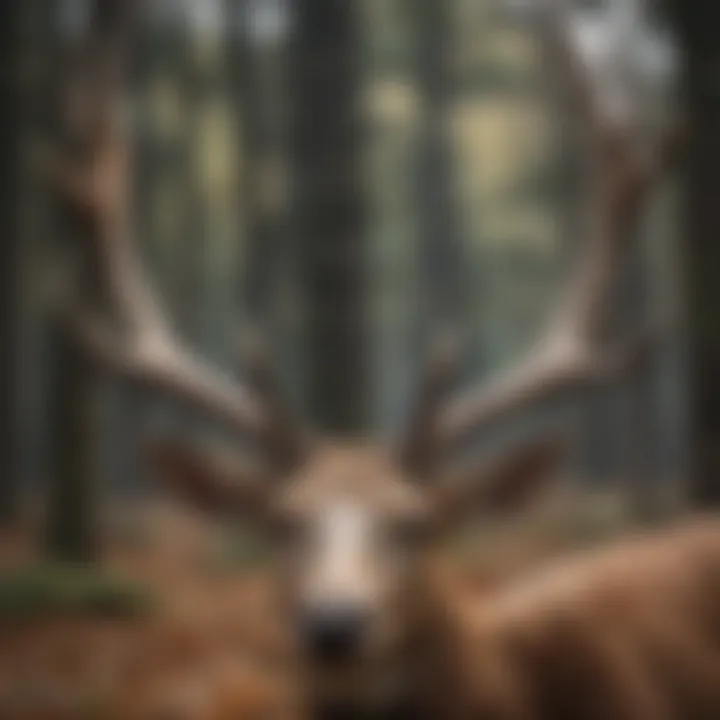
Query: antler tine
point(419, 449)
point(286, 440)
point(130, 334)
point(552, 24)
point(572, 351)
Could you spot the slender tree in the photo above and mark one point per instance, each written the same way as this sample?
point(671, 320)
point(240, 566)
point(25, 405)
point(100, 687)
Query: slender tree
point(328, 214)
point(250, 65)
point(629, 22)
point(10, 136)
point(442, 287)
point(696, 24)
point(189, 254)
point(74, 385)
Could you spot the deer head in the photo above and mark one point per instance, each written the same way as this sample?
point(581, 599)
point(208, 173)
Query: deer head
point(353, 523)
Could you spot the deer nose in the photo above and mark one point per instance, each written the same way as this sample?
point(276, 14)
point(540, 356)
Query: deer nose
point(334, 633)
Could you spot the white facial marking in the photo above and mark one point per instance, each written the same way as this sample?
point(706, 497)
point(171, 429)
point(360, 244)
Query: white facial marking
point(343, 539)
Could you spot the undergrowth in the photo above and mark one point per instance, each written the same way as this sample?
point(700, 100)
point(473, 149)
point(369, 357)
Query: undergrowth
point(50, 589)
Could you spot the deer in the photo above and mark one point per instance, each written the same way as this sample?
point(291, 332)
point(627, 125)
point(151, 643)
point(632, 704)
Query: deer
point(630, 631)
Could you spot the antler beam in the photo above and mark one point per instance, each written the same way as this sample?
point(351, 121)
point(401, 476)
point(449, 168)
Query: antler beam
point(419, 451)
point(131, 334)
point(574, 351)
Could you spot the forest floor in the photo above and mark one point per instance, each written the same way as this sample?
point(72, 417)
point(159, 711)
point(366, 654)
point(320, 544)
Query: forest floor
point(204, 649)
point(207, 648)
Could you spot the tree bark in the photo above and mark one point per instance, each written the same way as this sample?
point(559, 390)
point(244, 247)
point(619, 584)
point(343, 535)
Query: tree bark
point(192, 256)
point(254, 85)
point(74, 387)
point(696, 22)
point(442, 296)
point(249, 93)
point(328, 213)
point(71, 524)
point(10, 123)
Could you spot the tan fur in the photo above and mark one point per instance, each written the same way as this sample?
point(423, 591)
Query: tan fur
point(629, 633)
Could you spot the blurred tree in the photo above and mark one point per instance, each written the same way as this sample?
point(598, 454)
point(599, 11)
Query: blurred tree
point(190, 248)
point(642, 56)
point(328, 214)
point(10, 129)
point(72, 403)
point(75, 393)
point(696, 25)
point(126, 405)
point(642, 412)
point(253, 66)
point(443, 267)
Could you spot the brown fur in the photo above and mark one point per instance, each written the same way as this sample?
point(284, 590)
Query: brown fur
point(629, 633)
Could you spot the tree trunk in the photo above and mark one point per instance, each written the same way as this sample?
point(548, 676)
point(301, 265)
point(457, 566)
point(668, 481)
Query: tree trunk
point(74, 441)
point(258, 140)
point(70, 534)
point(191, 258)
point(328, 209)
point(74, 388)
point(130, 406)
point(10, 263)
point(697, 29)
point(442, 296)
point(642, 419)
point(75, 420)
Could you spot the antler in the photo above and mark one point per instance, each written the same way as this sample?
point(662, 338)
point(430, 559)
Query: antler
point(131, 334)
point(574, 351)
point(419, 450)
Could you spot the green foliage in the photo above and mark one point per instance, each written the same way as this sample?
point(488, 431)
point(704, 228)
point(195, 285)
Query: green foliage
point(542, 185)
point(496, 79)
point(57, 588)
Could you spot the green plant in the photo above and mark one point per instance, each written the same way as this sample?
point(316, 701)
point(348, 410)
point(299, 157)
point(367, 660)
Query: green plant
point(58, 588)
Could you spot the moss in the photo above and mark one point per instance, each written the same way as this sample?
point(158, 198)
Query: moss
point(57, 588)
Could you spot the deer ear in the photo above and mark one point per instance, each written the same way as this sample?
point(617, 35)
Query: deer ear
point(506, 484)
point(207, 478)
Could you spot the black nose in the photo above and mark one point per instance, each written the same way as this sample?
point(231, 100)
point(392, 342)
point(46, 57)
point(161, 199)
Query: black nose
point(334, 633)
